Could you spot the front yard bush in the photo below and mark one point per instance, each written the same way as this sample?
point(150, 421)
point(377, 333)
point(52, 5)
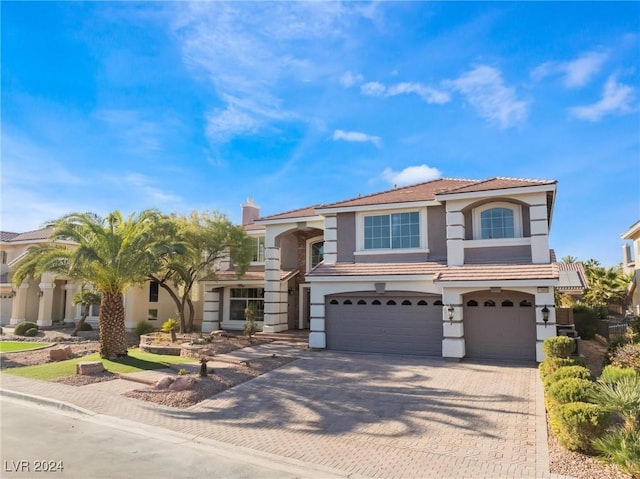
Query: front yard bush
point(143, 327)
point(585, 320)
point(31, 332)
point(611, 374)
point(621, 398)
point(627, 356)
point(576, 424)
point(551, 365)
point(569, 390)
point(577, 372)
point(22, 327)
point(622, 448)
point(558, 347)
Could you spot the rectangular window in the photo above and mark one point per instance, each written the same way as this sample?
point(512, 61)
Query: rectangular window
point(258, 249)
point(153, 315)
point(395, 231)
point(497, 223)
point(154, 290)
point(240, 298)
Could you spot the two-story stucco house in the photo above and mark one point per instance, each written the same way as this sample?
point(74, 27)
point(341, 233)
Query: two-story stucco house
point(451, 267)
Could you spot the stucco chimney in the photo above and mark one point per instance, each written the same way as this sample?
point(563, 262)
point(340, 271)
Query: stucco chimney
point(250, 212)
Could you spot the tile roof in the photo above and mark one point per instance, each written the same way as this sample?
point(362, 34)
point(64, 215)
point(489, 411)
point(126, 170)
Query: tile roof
point(499, 272)
point(41, 234)
point(426, 191)
point(231, 277)
point(499, 183)
point(573, 277)
point(376, 269)
point(7, 235)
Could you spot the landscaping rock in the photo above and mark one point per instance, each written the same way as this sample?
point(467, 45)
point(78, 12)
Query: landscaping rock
point(182, 383)
point(164, 382)
point(60, 353)
point(88, 368)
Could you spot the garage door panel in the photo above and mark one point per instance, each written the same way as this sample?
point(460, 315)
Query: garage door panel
point(500, 332)
point(405, 329)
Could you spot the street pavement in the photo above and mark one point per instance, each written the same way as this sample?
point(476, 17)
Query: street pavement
point(350, 415)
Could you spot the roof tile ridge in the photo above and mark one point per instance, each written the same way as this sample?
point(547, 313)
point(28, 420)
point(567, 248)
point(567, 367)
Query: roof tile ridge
point(287, 212)
point(528, 180)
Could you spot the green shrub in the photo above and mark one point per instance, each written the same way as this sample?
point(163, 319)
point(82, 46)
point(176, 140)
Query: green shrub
point(86, 327)
point(621, 398)
point(551, 365)
point(171, 326)
point(143, 327)
point(558, 347)
point(576, 424)
point(569, 390)
point(611, 374)
point(566, 372)
point(622, 448)
point(31, 332)
point(23, 327)
point(627, 356)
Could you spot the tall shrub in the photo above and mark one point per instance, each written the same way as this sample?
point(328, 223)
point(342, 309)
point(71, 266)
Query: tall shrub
point(576, 424)
point(558, 347)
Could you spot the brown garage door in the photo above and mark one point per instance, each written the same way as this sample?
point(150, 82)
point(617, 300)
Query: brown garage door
point(500, 326)
point(399, 324)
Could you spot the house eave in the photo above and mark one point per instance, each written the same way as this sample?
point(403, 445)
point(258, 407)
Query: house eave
point(377, 207)
point(497, 192)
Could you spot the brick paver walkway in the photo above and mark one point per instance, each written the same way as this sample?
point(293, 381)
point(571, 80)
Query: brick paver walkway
point(367, 415)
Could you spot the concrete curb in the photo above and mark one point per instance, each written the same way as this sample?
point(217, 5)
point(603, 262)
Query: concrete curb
point(243, 454)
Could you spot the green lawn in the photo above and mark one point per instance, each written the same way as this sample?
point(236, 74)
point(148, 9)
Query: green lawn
point(13, 346)
point(137, 361)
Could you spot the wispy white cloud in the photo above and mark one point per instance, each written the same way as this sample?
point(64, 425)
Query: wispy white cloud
point(411, 175)
point(349, 79)
point(131, 131)
point(253, 52)
point(144, 185)
point(426, 93)
point(357, 137)
point(617, 98)
point(575, 73)
point(485, 90)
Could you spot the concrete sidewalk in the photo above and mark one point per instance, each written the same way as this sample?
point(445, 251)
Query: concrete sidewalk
point(357, 415)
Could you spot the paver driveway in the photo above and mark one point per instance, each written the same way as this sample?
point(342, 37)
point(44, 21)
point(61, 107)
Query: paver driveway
point(386, 416)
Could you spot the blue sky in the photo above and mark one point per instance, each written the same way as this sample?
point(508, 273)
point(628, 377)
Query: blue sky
point(197, 106)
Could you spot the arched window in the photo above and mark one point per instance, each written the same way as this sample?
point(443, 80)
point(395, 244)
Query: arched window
point(406, 302)
point(497, 221)
point(376, 302)
point(525, 304)
point(422, 302)
point(334, 301)
point(362, 301)
point(391, 302)
point(437, 303)
point(347, 301)
point(507, 303)
point(490, 303)
point(472, 303)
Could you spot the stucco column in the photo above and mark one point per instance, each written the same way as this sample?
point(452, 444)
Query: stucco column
point(330, 240)
point(211, 312)
point(544, 298)
point(46, 303)
point(455, 234)
point(19, 306)
point(70, 308)
point(275, 299)
point(317, 334)
point(453, 344)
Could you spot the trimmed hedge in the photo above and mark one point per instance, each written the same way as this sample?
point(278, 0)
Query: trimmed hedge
point(577, 424)
point(577, 372)
point(31, 332)
point(551, 365)
point(558, 347)
point(143, 327)
point(21, 328)
point(568, 390)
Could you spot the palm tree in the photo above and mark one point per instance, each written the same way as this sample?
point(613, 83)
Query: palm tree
point(112, 253)
point(85, 298)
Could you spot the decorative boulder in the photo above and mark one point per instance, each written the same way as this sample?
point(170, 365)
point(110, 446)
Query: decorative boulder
point(87, 368)
point(164, 382)
point(182, 383)
point(60, 353)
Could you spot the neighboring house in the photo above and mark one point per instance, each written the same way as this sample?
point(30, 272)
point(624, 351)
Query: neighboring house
point(49, 299)
point(573, 281)
point(452, 268)
point(631, 264)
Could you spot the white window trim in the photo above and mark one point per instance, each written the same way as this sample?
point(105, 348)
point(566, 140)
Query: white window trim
point(256, 236)
point(226, 319)
point(517, 220)
point(309, 242)
point(423, 248)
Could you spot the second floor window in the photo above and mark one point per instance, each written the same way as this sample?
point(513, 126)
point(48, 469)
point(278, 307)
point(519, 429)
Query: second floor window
point(258, 249)
point(154, 290)
point(317, 253)
point(393, 231)
point(497, 223)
